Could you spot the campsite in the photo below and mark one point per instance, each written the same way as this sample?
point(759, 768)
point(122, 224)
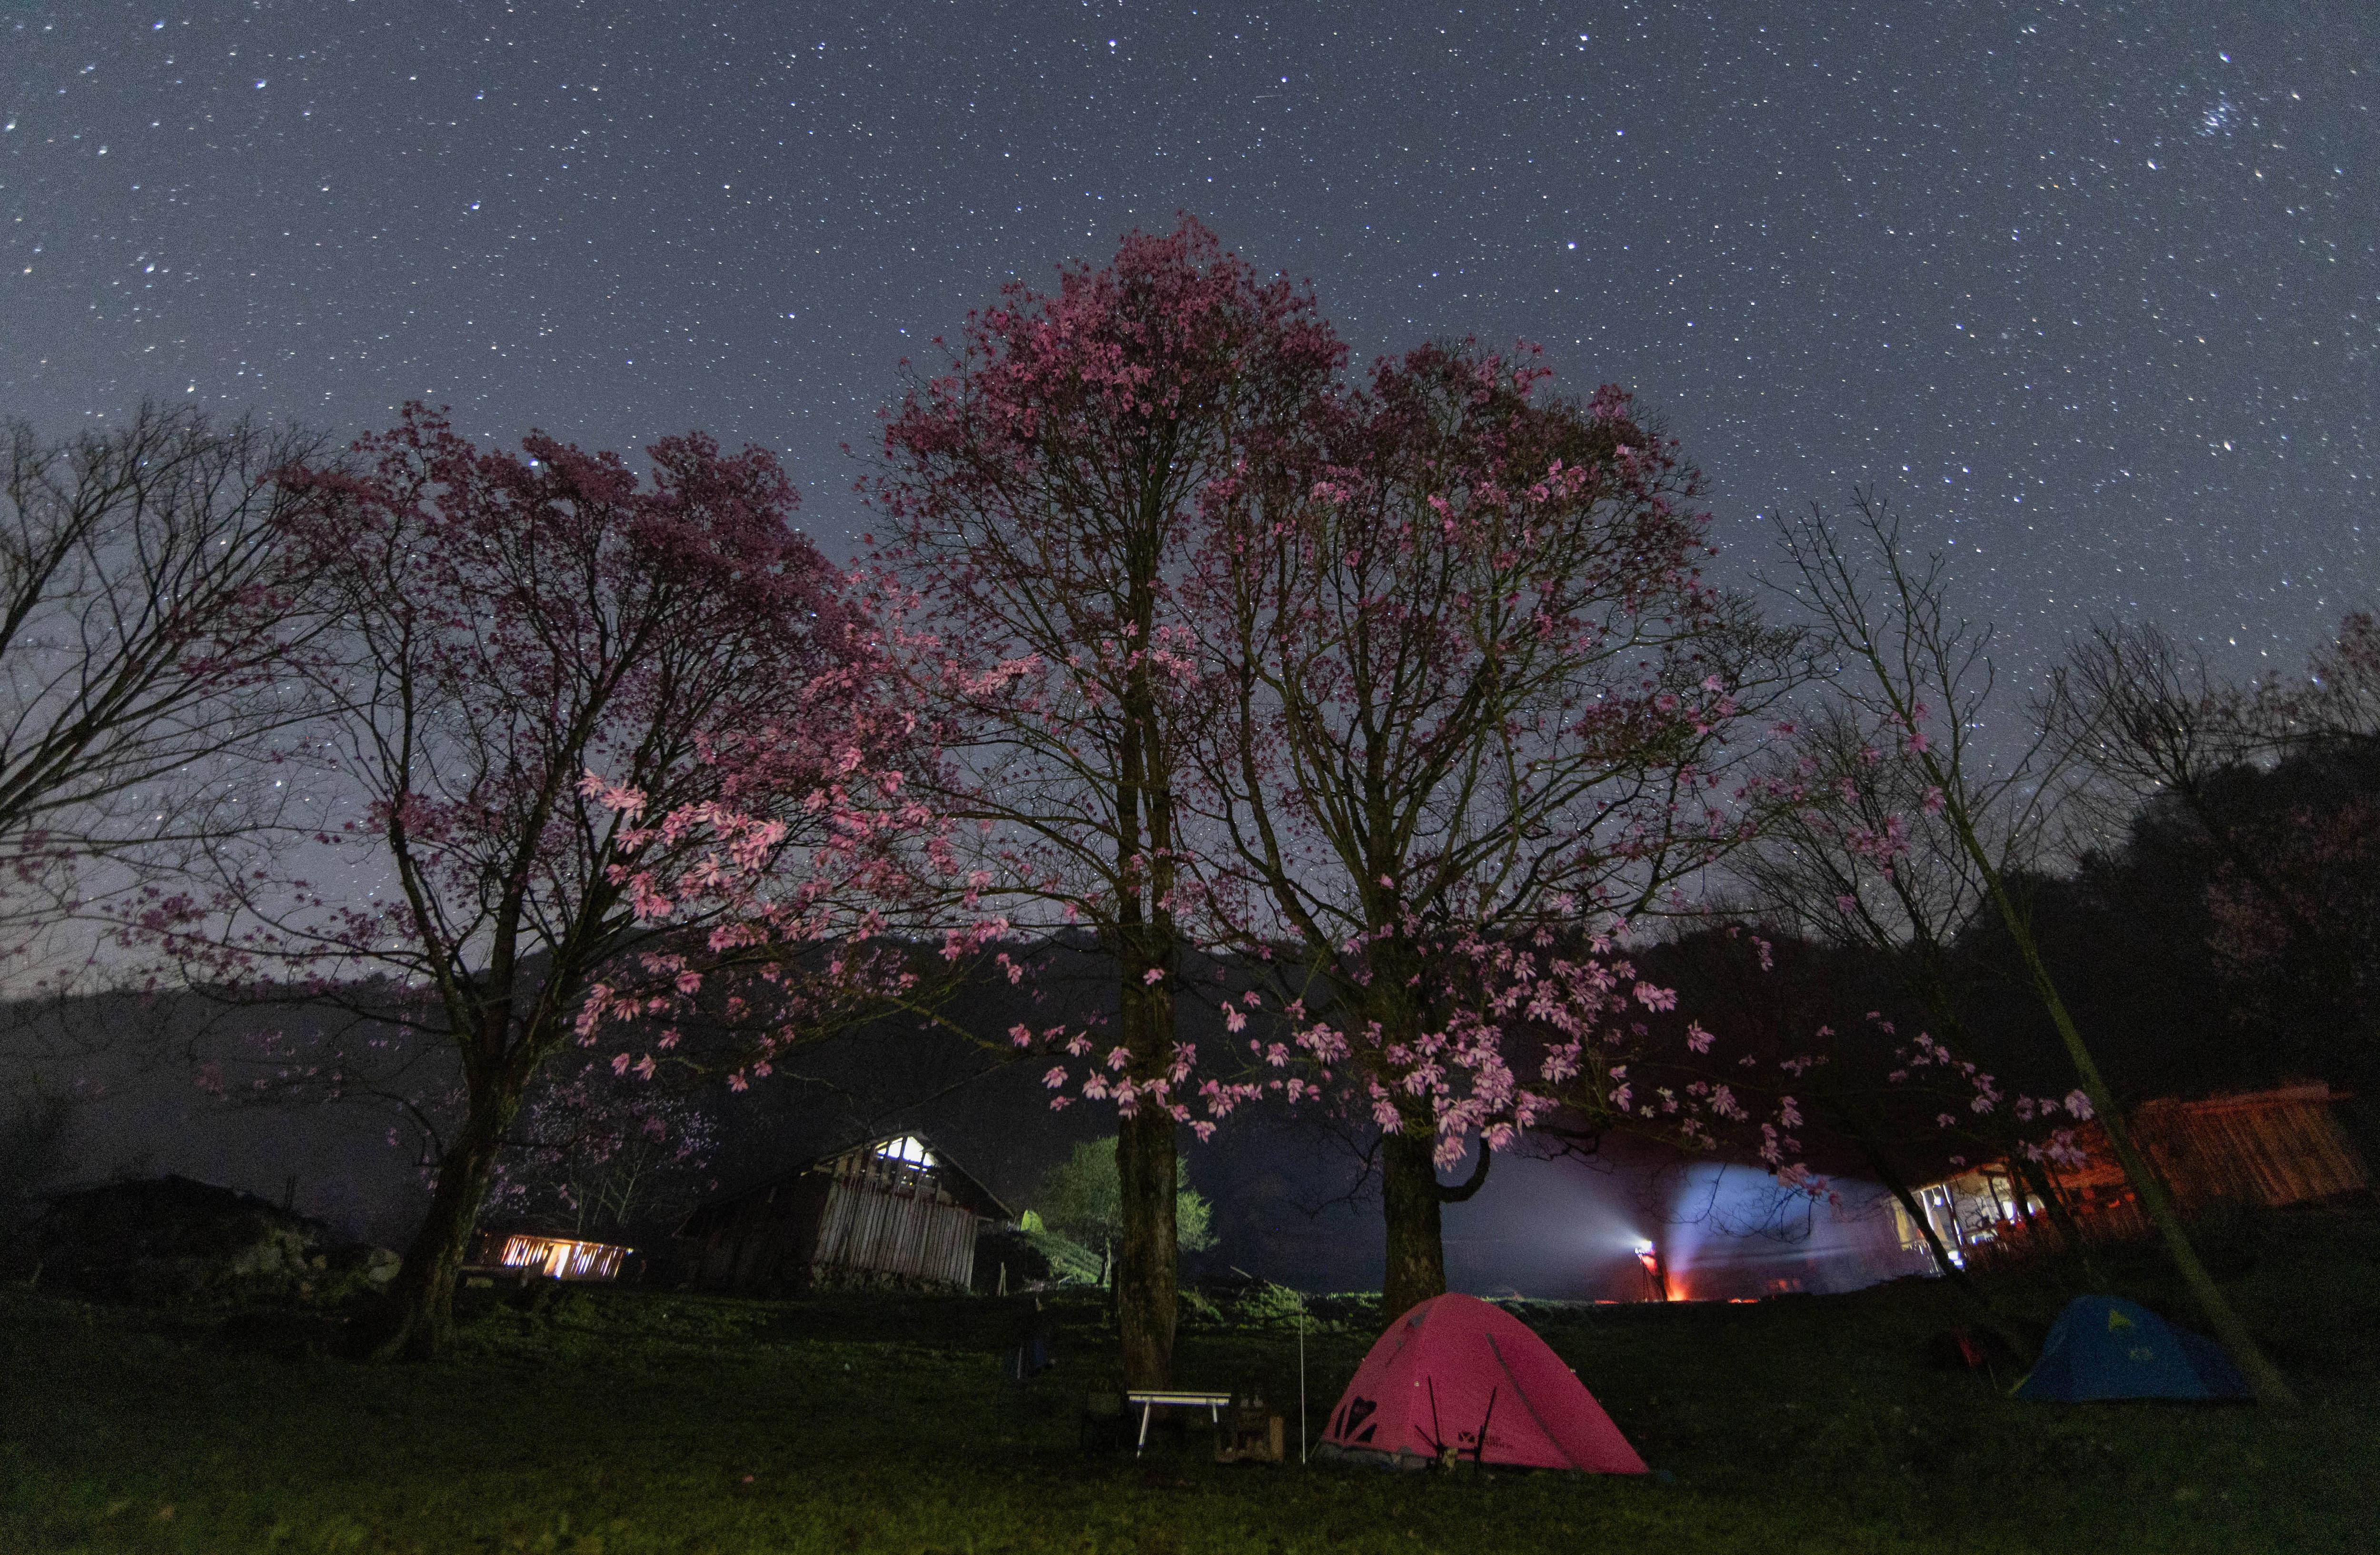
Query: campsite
point(1135, 777)
point(593, 1417)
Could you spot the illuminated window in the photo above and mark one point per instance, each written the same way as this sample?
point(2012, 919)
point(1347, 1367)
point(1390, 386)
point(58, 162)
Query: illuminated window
point(908, 1148)
point(562, 1259)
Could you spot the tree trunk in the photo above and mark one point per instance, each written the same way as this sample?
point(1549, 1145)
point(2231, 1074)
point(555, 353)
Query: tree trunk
point(1411, 1199)
point(1147, 1260)
point(417, 1319)
point(1890, 1177)
point(2264, 1377)
point(2053, 1203)
point(1149, 1270)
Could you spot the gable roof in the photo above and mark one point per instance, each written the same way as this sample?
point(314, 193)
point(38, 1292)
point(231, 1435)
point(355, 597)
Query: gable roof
point(961, 1185)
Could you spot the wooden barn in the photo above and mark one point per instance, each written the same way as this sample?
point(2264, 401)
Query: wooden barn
point(890, 1211)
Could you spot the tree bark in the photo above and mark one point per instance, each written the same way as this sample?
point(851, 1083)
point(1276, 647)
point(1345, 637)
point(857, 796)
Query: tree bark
point(1147, 1273)
point(416, 1321)
point(1411, 1201)
point(1148, 1263)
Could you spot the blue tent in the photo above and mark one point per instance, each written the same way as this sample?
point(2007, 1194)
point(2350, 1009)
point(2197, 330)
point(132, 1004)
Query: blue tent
point(2104, 1347)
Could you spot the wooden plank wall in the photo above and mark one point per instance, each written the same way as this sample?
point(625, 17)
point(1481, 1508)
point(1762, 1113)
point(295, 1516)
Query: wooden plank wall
point(2277, 1148)
point(860, 1213)
point(887, 1218)
point(2274, 1147)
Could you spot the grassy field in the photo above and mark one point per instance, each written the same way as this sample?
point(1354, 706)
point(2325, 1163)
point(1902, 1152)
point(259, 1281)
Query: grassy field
point(620, 1421)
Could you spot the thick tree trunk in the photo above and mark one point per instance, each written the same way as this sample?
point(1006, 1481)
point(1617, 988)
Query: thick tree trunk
point(1148, 1271)
point(1416, 1248)
point(416, 1319)
point(1147, 1264)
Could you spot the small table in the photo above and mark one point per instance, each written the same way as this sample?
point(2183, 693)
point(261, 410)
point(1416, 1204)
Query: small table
point(1150, 1403)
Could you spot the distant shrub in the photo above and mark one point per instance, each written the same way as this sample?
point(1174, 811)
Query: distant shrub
point(1082, 1197)
point(1266, 1304)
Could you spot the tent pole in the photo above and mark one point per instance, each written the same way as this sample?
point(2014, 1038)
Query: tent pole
point(1301, 1386)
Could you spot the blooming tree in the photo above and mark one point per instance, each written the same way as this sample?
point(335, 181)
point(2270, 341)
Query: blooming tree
point(1474, 712)
point(1041, 494)
point(552, 687)
point(1862, 850)
point(598, 1153)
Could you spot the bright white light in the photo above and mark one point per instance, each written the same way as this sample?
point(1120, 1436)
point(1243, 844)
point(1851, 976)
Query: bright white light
point(909, 1148)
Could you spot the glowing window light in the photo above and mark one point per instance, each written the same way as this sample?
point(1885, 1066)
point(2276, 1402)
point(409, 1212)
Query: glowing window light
point(563, 1259)
point(908, 1149)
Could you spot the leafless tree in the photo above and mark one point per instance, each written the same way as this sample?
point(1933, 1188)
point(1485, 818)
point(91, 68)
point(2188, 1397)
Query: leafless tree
point(145, 619)
point(1870, 856)
point(145, 612)
point(1915, 681)
point(2157, 725)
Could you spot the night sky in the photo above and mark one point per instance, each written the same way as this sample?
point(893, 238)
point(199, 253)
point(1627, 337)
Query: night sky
point(2090, 288)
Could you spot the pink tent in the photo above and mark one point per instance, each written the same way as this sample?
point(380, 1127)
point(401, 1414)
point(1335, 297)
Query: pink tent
point(1455, 1376)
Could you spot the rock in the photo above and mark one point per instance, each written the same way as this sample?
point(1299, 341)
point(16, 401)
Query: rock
point(354, 1268)
point(163, 1237)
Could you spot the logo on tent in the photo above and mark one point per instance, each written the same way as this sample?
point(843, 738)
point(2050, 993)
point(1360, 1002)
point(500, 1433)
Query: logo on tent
point(2104, 1347)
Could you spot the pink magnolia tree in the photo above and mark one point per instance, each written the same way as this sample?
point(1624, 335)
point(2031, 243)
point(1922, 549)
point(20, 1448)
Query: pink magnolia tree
point(552, 687)
point(1042, 496)
point(1475, 710)
point(1829, 1084)
point(1863, 849)
point(599, 1154)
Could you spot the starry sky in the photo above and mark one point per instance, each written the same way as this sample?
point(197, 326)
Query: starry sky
point(2091, 289)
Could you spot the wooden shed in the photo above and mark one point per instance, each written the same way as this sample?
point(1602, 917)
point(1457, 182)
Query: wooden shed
point(891, 1211)
point(2271, 1148)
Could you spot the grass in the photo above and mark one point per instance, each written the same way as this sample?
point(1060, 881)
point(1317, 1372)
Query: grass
point(620, 1421)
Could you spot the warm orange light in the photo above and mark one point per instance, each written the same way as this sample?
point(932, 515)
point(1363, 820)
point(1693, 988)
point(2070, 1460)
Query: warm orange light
point(562, 1259)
